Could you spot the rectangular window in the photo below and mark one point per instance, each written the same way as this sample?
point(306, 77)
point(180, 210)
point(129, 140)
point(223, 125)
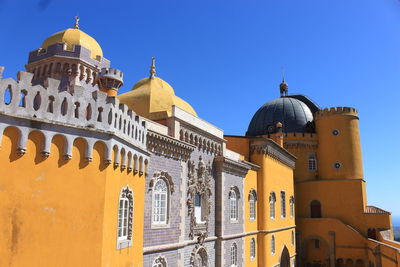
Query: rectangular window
point(252, 209)
point(283, 204)
point(197, 208)
point(312, 163)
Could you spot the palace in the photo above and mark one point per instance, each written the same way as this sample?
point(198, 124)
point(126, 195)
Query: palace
point(96, 178)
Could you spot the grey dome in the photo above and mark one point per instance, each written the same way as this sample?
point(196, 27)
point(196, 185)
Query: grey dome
point(295, 115)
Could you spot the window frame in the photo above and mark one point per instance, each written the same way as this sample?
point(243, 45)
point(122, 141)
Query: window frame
point(312, 162)
point(291, 206)
point(234, 255)
point(253, 249)
point(233, 205)
point(273, 245)
point(167, 194)
point(272, 202)
point(252, 205)
point(125, 218)
point(283, 204)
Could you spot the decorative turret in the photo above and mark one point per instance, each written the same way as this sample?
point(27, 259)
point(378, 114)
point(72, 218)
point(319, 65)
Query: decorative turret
point(70, 56)
point(110, 80)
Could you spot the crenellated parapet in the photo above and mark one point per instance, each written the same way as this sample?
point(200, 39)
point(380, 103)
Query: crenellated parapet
point(93, 117)
point(346, 111)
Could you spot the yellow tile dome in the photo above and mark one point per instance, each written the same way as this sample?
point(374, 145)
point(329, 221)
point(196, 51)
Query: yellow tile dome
point(153, 98)
point(74, 36)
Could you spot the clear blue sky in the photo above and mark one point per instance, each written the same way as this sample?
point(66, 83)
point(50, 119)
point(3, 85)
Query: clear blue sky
point(226, 57)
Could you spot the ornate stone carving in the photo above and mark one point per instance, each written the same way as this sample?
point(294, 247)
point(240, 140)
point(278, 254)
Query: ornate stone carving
point(199, 182)
point(162, 175)
point(160, 260)
point(199, 257)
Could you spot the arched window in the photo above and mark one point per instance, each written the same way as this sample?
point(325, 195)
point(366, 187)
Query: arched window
point(315, 209)
point(283, 204)
point(160, 202)
point(291, 202)
point(234, 254)
point(312, 162)
point(233, 206)
point(272, 244)
point(252, 204)
point(272, 200)
point(125, 218)
point(292, 238)
point(252, 249)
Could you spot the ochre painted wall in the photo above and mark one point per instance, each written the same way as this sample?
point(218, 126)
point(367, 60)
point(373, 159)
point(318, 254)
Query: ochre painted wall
point(63, 212)
point(273, 176)
point(344, 148)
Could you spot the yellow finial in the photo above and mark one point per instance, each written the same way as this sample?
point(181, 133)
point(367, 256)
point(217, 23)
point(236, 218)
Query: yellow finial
point(153, 68)
point(76, 26)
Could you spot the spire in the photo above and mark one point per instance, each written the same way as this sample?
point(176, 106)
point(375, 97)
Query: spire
point(76, 26)
point(153, 68)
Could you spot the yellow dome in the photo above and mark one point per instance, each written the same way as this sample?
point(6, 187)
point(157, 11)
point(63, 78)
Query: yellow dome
point(75, 36)
point(153, 98)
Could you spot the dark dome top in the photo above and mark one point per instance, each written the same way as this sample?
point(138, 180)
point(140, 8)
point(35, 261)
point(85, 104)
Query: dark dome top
point(294, 112)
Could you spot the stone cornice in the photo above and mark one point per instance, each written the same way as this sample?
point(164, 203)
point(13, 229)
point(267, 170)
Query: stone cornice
point(268, 147)
point(168, 146)
point(233, 167)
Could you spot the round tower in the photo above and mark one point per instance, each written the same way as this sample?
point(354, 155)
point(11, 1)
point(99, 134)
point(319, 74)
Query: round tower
point(110, 80)
point(339, 148)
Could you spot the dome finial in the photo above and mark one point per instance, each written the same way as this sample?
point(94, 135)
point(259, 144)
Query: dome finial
point(153, 68)
point(76, 26)
point(283, 87)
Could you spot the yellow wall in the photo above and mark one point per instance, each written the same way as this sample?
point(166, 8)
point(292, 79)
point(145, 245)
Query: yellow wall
point(248, 262)
point(63, 213)
point(301, 146)
point(344, 148)
point(239, 144)
point(273, 176)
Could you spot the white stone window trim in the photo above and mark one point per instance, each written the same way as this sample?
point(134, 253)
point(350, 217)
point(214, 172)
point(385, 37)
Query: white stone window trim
point(233, 198)
point(293, 238)
point(272, 205)
point(291, 206)
point(273, 249)
point(252, 205)
point(163, 175)
point(126, 196)
point(167, 194)
point(253, 249)
point(234, 256)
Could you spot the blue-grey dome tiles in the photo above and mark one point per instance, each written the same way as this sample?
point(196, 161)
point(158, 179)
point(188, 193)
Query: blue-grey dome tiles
point(294, 114)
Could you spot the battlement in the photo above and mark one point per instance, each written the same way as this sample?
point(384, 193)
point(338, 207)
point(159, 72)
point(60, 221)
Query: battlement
point(111, 73)
point(61, 50)
point(301, 136)
point(335, 111)
point(95, 112)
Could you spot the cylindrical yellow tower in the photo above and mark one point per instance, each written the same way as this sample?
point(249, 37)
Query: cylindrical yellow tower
point(339, 148)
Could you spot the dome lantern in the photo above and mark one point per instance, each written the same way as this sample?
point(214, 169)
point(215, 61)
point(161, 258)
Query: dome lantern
point(284, 88)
